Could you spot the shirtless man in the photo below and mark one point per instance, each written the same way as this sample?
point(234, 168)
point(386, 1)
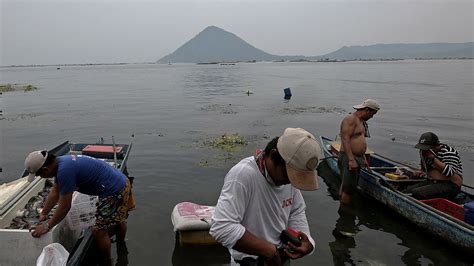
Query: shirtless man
point(354, 130)
point(442, 166)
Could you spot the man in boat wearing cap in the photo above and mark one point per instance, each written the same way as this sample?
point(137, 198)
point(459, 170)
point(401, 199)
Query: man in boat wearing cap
point(261, 197)
point(89, 176)
point(442, 166)
point(353, 132)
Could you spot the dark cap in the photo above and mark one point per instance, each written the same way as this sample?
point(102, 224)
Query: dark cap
point(427, 141)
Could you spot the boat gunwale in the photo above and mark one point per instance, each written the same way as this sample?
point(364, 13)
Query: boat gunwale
point(408, 199)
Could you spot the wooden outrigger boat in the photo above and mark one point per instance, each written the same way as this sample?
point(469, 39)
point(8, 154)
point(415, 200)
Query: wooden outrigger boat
point(381, 182)
point(77, 245)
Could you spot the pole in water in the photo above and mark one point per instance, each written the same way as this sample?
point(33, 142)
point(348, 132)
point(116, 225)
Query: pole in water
point(115, 152)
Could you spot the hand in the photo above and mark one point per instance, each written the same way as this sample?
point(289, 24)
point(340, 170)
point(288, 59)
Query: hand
point(429, 161)
point(43, 217)
point(353, 166)
point(419, 174)
point(295, 252)
point(38, 230)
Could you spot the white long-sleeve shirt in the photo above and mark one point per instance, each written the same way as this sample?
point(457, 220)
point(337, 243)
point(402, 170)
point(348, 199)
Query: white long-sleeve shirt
point(249, 202)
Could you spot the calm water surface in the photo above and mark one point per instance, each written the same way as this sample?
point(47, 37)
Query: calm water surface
point(173, 109)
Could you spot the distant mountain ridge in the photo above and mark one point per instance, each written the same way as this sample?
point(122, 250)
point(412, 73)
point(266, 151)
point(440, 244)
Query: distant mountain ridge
point(404, 51)
point(214, 44)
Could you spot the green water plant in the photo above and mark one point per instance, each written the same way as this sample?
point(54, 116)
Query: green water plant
point(7, 87)
point(30, 88)
point(15, 87)
point(227, 142)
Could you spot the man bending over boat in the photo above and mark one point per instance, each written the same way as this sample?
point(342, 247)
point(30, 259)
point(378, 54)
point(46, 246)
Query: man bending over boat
point(261, 197)
point(354, 130)
point(442, 166)
point(89, 176)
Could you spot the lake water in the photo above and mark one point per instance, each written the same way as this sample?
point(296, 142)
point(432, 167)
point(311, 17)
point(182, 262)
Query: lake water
point(173, 109)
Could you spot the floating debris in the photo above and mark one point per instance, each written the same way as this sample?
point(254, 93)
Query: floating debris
point(18, 116)
point(16, 87)
point(227, 142)
point(224, 109)
point(287, 92)
point(30, 88)
point(7, 88)
point(203, 163)
point(313, 109)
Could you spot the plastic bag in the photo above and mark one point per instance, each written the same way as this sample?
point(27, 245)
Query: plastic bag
point(53, 254)
point(82, 212)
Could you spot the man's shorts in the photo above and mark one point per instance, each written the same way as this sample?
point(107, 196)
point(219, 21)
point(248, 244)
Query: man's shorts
point(349, 179)
point(114, 209)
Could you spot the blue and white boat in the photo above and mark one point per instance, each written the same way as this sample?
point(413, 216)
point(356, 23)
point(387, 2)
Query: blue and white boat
point(446, 222)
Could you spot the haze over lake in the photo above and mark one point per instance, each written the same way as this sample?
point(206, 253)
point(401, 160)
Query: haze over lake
point(174, 109)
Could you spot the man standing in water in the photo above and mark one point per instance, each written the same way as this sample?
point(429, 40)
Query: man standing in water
point(261, 197)
point(89, 176)
point(354, 130)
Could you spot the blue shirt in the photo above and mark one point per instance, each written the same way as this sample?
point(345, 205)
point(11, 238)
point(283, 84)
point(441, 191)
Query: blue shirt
point(88, 175)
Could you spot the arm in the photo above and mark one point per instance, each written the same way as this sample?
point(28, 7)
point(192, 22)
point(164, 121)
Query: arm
point(226, 225)
point(251, 244)
point(51, 200)
point(348, 126)
point(299, 223)
point(63, 208)
point(450, 163)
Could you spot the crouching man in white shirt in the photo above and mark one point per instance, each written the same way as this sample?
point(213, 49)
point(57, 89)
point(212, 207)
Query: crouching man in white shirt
point(261, 197)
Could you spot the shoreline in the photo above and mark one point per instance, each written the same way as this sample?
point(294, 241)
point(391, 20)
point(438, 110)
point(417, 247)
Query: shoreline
point(288, 61)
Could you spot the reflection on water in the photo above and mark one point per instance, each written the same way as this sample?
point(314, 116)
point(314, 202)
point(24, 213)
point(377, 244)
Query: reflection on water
point(211, 81)
point(365, 214)
point(185, 255)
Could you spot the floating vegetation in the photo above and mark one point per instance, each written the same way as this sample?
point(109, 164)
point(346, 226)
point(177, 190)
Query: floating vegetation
point(229, 143)
point(7, 88)
point(313, 109)
point(217, 161)
point(203, 163)
point(30, 88)
point(16, 87)
point(224, 109)
point(18, 116)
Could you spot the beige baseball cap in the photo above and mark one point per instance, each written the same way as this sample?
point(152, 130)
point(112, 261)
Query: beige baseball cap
point(370, 103)
point(33, 162)
point(301, 152)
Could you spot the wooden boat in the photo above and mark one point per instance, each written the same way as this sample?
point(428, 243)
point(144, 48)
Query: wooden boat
point(381, 182)
point(29, 248)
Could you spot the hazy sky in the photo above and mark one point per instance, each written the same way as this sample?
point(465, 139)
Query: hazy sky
point(108, 31)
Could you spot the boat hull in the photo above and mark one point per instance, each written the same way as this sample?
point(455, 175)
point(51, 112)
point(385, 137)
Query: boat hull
point(18, 247)
point(456, 232)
